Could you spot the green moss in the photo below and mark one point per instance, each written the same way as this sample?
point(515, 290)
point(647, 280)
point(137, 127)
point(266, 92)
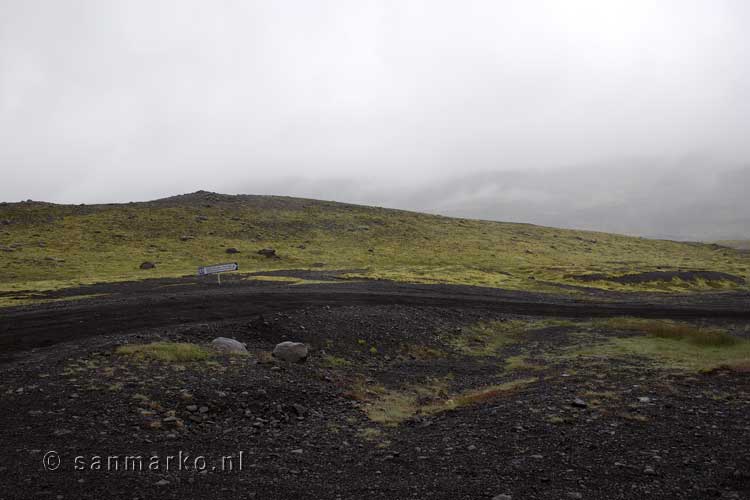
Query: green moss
point(705, 337)
point(673, 354)
point(335, 362)
point(521, 363)
point(486, 338)
point(392, 407)
point(57, 246)
point(165, 351)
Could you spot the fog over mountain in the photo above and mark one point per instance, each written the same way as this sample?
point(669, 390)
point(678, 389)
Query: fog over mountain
point(683, 201)
point(627, 116)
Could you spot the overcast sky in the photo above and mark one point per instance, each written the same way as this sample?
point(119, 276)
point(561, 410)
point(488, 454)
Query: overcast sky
point(629, 116)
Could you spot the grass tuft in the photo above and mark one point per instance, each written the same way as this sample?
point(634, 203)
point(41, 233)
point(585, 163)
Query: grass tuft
point(393, 407)
point(165, 351)
point(491, 392)
point(706, 337)
point(521, 363)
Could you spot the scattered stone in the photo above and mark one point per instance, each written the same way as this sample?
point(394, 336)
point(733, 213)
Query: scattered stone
point(192, 408)
point(148, 265)
point(186, 238)
point(298, 451)
point(228, 345)
point(232, 250)
point(162, 482)
point(267, 252)
point(580, 403)
point(502, 496)
point(291, 352)
point(299, 409)
point(574, 495)
point(644, 399)
point(649, 470)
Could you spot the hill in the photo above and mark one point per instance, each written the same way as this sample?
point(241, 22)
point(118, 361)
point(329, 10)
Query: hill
point(47, 246)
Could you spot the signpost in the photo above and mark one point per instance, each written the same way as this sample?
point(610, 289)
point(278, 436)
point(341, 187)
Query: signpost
point(217, 269)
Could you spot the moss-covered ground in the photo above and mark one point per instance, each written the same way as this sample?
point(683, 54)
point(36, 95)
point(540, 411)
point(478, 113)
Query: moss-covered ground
point(46, 246)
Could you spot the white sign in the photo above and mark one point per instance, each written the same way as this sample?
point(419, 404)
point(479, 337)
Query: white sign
point(218, 268)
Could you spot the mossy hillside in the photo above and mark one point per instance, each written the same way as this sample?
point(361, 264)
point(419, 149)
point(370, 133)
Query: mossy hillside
point(47, 246)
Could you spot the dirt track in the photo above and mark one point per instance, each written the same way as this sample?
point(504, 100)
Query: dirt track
point(132, 306)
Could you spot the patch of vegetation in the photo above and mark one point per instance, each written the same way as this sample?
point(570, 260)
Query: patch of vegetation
point(370, 434)
point(705, 337)
point(165, 351)
point(330, 361)
point(521, 363)
point(670, 344)
point(674, 354)
point(286, 280)
point(422, 352)
point(489, 393)
point(47, 246)
point(486, 338)
point(597, 399)
point(23, 298)
point(391, 407)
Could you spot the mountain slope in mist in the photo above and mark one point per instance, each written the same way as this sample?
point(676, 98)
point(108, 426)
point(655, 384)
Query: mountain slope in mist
point(47, 246)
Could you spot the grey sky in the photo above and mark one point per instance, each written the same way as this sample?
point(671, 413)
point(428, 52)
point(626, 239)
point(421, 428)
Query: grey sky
point(499, 109)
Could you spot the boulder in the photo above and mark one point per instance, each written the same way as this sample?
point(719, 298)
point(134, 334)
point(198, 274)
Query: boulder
point(268, 252)
point(291, 352)
point(228, 345)
point(232, 250)
point(580, 403)
point(148, 265)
